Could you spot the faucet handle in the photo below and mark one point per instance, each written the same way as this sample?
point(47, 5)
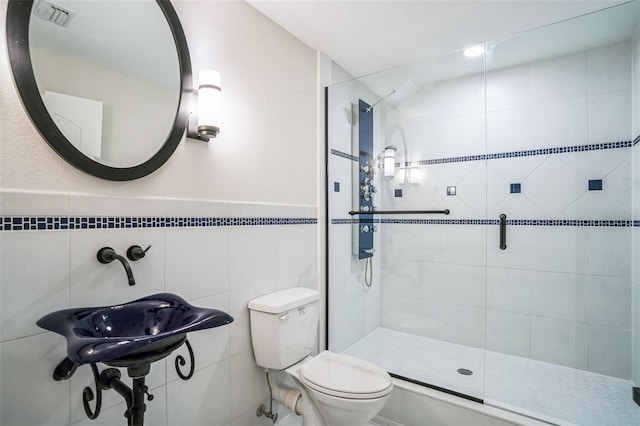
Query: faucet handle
point(105, 255)
point(136, 252)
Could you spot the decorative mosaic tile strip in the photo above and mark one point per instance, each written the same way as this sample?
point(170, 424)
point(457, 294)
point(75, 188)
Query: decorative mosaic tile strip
point(352, 221)
point(442, 221)
point(512, 222)
point(28, 223)
point(345, 155)
point(542, 151)
point(528, 153)
point(636, 140)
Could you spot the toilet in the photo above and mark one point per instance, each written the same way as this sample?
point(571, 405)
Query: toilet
point(332, 389)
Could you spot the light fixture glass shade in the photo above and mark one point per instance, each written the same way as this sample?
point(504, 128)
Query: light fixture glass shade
point(389, 163)
point(209, 103)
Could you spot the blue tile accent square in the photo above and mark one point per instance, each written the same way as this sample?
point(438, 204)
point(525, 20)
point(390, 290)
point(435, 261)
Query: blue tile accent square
point(516, 188)
point(398, 193)
point(451, 190)
point(336, 186)
point(595, 184)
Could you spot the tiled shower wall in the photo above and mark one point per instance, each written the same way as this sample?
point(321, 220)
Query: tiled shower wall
point(213, 254)
point(355, 308)
point(561, 290)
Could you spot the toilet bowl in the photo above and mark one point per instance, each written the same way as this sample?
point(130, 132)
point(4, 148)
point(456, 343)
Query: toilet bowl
point(332, 389)
point(346, 391)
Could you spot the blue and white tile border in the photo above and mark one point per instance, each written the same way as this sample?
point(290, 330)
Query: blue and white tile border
point(512, 222)
point(43, 223)
point(513, 154)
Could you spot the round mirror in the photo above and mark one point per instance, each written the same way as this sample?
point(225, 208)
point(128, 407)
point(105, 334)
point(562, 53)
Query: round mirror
point(104, 83)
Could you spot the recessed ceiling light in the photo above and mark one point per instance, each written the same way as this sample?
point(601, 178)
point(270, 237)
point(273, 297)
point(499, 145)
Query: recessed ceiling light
point(474, 51)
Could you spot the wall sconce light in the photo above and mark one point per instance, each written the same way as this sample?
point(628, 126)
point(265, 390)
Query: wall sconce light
point(204, 121)
point(389, 161)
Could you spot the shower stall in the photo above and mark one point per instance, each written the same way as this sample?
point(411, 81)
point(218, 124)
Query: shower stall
point(483, 220)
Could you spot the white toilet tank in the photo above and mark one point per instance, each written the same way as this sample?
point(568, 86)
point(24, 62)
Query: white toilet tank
point(284, 326)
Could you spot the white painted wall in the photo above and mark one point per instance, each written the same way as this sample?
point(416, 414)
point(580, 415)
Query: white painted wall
point(266, 151)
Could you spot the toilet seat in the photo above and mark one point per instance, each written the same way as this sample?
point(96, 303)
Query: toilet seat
point(344, 376)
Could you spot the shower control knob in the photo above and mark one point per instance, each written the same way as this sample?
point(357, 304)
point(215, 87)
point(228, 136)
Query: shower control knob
point(365, 228)
point(366, 169)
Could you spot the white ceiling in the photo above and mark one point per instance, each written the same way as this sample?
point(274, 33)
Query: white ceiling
point(368, 36)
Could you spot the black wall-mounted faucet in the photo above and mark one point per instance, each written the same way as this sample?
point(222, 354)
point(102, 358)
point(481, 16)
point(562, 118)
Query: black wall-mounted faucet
point(136, 252)
point(108, 255)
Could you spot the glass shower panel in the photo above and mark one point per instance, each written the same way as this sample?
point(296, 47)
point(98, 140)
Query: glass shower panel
point(535, 316)
point(559, 167)
point(422, 318)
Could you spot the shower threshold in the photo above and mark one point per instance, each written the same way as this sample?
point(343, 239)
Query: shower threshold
point(548, 392)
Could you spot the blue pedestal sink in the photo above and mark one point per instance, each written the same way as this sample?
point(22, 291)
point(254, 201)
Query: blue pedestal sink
point(131, 335)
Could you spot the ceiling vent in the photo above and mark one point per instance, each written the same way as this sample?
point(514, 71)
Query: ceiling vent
point(53, 13)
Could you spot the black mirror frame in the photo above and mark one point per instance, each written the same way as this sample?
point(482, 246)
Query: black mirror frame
point(18, 17)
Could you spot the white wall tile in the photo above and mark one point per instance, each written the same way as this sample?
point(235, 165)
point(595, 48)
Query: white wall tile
point(252, 257)
point(94, 205)
point(197, 261)
point(609, 252)
point(554, 186)
point(610, 117)
point(463, 244)
point(509, 130)
point(295, 247)
point(26, 368)
point(212, 405)
point(463, 136)
point(610, 352)
point(94, 283)
point(507, 87)
point(559, 342)
point(518, 240)
point(509, 290)
point(559, 123)
point(176, 207)
point(27, 203)
point(560, 296)
point(610, 302)
point(463, 285)
point(564, 77)
point(508, 333)
point(463, 324)
point(560, 249)
point(608, 68)
point(34, 279)
point(415, 242)
point(248, 387)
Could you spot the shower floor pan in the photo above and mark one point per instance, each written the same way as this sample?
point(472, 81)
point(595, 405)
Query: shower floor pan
point(548, 392)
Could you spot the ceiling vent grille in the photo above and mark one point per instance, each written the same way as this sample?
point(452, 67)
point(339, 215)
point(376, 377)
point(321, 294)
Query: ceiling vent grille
point(53, 13)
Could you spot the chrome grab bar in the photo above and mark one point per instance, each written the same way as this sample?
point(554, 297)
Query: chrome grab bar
point(503, 231)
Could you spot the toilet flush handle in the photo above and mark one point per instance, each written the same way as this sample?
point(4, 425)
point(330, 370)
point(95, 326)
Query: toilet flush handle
point(284, 317)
